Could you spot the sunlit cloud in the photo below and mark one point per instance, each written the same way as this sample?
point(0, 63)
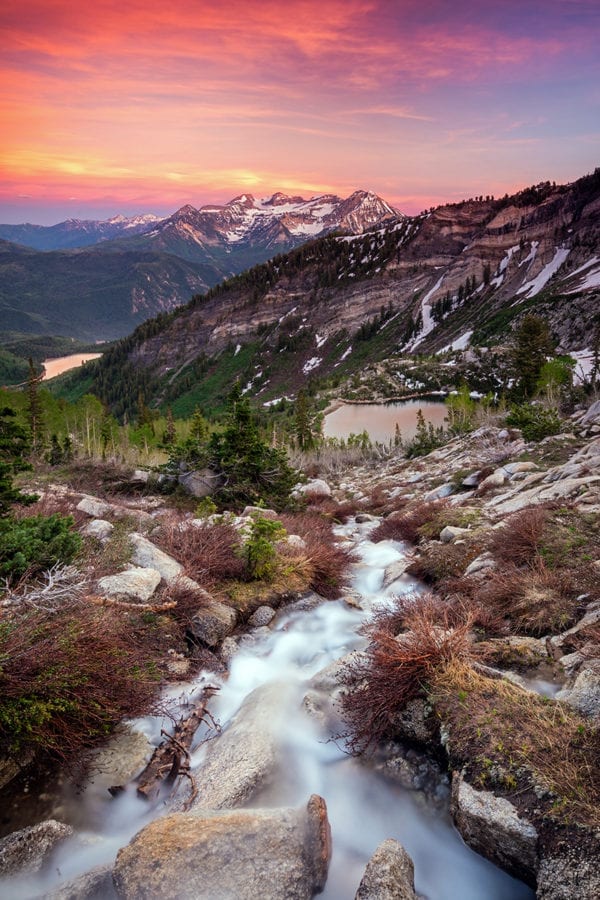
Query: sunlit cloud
point(155, 103)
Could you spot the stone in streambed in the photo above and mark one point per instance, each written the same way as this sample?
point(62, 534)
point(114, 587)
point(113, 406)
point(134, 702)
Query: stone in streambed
point(248, 755)
point(492, 826)
point(271, 854)
point(389, 874)
point(27, 850)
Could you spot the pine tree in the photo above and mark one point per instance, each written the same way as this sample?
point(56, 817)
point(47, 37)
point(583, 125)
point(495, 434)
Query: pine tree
point(34, 407)
point(533, 344)
point(15, 445)
point(169, 434)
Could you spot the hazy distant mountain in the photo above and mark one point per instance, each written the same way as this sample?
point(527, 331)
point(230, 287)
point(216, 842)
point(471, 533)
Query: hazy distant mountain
point(76, 232)
point(88, 294)
point(460, 275)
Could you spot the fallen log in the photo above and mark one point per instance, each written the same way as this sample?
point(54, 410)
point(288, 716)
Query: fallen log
point(171, 759)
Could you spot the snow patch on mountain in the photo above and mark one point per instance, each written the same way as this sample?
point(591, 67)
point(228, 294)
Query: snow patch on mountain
point(533, 287)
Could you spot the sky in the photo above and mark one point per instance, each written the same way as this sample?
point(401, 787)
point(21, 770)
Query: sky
point(140, 106)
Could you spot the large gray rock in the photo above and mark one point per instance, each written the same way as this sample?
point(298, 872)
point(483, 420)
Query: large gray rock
point(200, 484)
point(584, 695)
point(389, 875)
point(136, 584)
point(26, 851)
point(271, 854)
point(119, 760)
point(315, 487)
point(213, 622)
point(592, 416)
point(451, 533)
point(94, 507)
point(99, 528)
point(97, 884)
point(149, 556)
point(247, 756)
point(492, 826)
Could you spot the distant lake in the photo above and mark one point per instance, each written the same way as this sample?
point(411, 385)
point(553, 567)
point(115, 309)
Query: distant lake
point(60, 364)
point(380, 419)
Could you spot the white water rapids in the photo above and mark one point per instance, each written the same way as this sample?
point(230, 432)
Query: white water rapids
point(364, 807)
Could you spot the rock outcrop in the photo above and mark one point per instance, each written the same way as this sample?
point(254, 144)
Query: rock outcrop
point(274, 854)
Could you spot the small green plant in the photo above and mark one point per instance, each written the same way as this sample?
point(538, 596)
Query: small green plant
point(205, 508)
point(536, 422)
point(35, 543)
point(259, 549)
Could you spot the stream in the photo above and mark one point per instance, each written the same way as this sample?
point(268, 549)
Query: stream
point(364, 807)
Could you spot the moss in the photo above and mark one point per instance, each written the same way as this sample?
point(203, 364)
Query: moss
point(530, 748)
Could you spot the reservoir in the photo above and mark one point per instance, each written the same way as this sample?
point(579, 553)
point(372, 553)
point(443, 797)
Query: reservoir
point(54, 367)
point(380, 419)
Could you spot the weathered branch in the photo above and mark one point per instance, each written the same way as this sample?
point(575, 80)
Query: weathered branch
point(171, 759)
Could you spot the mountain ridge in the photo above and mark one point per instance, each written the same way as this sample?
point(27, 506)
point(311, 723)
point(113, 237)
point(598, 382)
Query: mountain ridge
point(462, 273)
point(103, 290)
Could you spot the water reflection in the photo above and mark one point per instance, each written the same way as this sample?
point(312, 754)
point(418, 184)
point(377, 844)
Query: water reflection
point(380, 419)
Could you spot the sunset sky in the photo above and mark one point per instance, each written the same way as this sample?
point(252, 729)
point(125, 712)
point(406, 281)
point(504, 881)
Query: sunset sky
point(138, 106)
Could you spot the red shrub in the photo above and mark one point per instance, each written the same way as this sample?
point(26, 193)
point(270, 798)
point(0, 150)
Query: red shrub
point(208, 553)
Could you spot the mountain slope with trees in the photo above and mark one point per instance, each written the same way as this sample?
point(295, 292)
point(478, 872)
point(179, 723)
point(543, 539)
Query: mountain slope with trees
point(462, 274)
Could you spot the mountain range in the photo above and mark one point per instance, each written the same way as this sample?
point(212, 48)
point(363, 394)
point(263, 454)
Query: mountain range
point(98, 280)
point(458, 276)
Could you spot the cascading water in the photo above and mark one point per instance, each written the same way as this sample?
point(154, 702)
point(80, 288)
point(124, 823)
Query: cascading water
point(364, 807)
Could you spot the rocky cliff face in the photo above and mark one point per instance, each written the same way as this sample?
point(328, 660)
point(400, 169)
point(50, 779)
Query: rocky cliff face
point(461, 273)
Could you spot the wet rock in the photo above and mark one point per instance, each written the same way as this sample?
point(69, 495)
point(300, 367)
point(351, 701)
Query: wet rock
point(319, 707)
point(97, 884)
point(584, 695)
point(361, 518)
point(413, 769)
point(27, 850)
point(94, 507)
point(148, 555)
point(272, 854)
point(137, 584)
point(492, 827)
point(416, 722)
point(390, 874)
point(247, 756)
point(98, 528)
point(212, 623)
point(228, 649)
point(119, 760)
point(264, 615)
point(331, 678)
point(395, 571)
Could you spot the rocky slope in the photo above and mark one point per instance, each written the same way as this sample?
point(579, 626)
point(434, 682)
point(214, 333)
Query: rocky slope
point(459, 275)
point(486, 477)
